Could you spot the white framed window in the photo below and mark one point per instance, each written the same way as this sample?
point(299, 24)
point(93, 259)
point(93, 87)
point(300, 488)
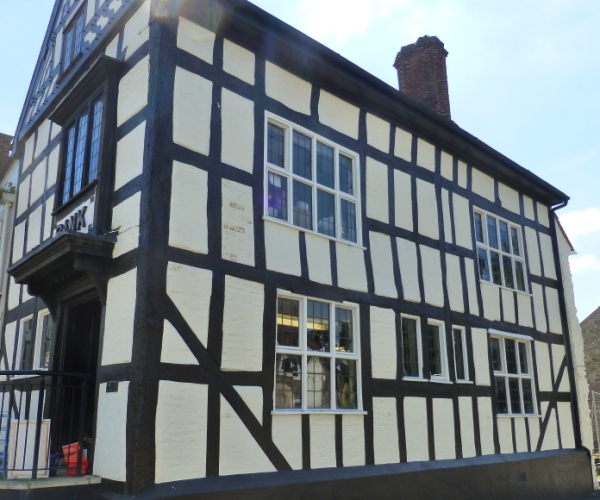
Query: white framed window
point(317, 365)
point(43, 340)
point(461, 363)
point(513, 374)
point(436, 342)
point(500, 255)
point(26, 349)
point(311, 182)
point(412, 347)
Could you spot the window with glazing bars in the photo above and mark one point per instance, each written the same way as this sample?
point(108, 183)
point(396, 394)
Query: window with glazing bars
point(311, 182)
point(411, 347)
point(317, 365)
point(513, 376)
point(82, 150)
point(436, 342)
point(500, 255)
point(73, 39)
point(461, 366)
point(27, 340)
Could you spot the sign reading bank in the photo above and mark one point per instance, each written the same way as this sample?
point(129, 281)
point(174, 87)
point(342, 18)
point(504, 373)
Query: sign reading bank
point(81, 219)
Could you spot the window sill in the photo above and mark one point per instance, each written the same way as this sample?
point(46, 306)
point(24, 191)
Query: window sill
point(518, 415)
point(434, 380)
point(527, 294)
point(466, 382)
point(441, 381)
point(287, 224)
point(319, 412)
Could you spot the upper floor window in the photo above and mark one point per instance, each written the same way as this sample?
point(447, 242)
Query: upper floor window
point(461, 367)
point(82, 149)
point(73, 39)
point(411, 347)
point(311, 182)
point(438, 359)
point(35, 343)
point(317, 363)
point(44, 340)
point(499, 251)
point(27, 344)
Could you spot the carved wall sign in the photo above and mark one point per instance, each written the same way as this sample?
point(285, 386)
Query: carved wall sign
point(81, 219)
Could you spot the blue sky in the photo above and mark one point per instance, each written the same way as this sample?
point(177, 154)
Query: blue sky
point(523, 77)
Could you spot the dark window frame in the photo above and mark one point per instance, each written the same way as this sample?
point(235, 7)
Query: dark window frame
point(73, 38)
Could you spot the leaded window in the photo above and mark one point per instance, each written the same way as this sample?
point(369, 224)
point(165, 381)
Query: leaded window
point(411, 347)
point(73, 39)
point(436, 343)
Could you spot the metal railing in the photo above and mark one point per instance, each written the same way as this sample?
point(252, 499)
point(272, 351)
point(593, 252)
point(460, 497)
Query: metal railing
point(43, 424)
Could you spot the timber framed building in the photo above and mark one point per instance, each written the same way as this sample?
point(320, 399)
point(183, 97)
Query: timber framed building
point(277, 276)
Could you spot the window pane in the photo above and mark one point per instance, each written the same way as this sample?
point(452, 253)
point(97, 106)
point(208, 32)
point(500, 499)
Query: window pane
point(504, 243)
point(288, 387)
point(346, 177)
point(491, 230)
point(82, 126)
point(482, 259)
point(515, 395)
point(325, 169)
point(496, 355)
point(302, 155)
point(459, 354)
point(478, 228)
point(78, 34)
point(520, 275)
point(523, 360)
point(435, 351)
point(26, 345)
point(288, 322)
point(344, 335)
point(346, 384)
point(66, 194)
point(509, 281)
point(95, 143)
point(410, 348)
point(278, 190)
point(317, 326)
point(46, 342)
point(527, 395)
point(325, 213)
point(68, 48)
point(275, 145)
point(348, 215)
point(318, 383)
point(514, 236)
point(302, 205)
point(501, 399)
point(496, 272)
point(511, 355)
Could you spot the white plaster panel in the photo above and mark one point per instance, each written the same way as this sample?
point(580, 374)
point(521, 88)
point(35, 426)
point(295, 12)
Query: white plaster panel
point(524, 308)
point(287, 88)
point(383, 265)
point(467, 429)
point(181, 430)
point(18, 242)
point(565, 418)
point(509, 198)
point(446, 216)
point(112, 48)
point(385, 431)
point(542, 213)
point(483, 185)
point(425, 155)
point(237, 122)
point(196, 40)
point(190, 289)
point(432, 276)
point(189, 195)
point(91, 10)
point(133, 91)
point(118, 321)
point(14, 294)
point(29, 148)
point(554, 321)
point(462, 174)
point(282, 248)
point(192, 104)
point(550, 441)
point(10, 332)
point(242, 325)
point(471, 286)
point(130, 156)
point(351, 272)
point(447, 166)
point(558, 356)
point(505, 435)
point(353, 440)
point(43, 137)
point(403, 200)
point(454, 283)
point(443, 429)
point(239, 452)
point(409, 269)
point(23, 195)
point(383, 343)
point(481, 356)
point(538, 307)
point(34, 229)
point(521, 435)
point(377, 190)
point(534, 432)
point(544, 374)
point(415, 429)
point(58, 48)
point(486, 426)
point(319, 259)
point(322, 441)
point(403, 145)
point(174, 349)
point(126, 219)
point(110, 450)
point(338, 114)
point(533, 251)
point(427, 210)
point(378, 133)
point(508, 306)
point(528, 207)
point(38, 181)
point(491, 301)
point(462, 221)
point(48, 218)
point(53, 166)
point(238, 62)
point(25, 295)
point(238, 223)
point(137, 31)
point(547, 256)
point(287, 436)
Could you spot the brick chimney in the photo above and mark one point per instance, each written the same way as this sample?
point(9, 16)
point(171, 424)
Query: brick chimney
point(422, 73)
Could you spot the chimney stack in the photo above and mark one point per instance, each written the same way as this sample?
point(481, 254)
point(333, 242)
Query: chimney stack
point(422, 73)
